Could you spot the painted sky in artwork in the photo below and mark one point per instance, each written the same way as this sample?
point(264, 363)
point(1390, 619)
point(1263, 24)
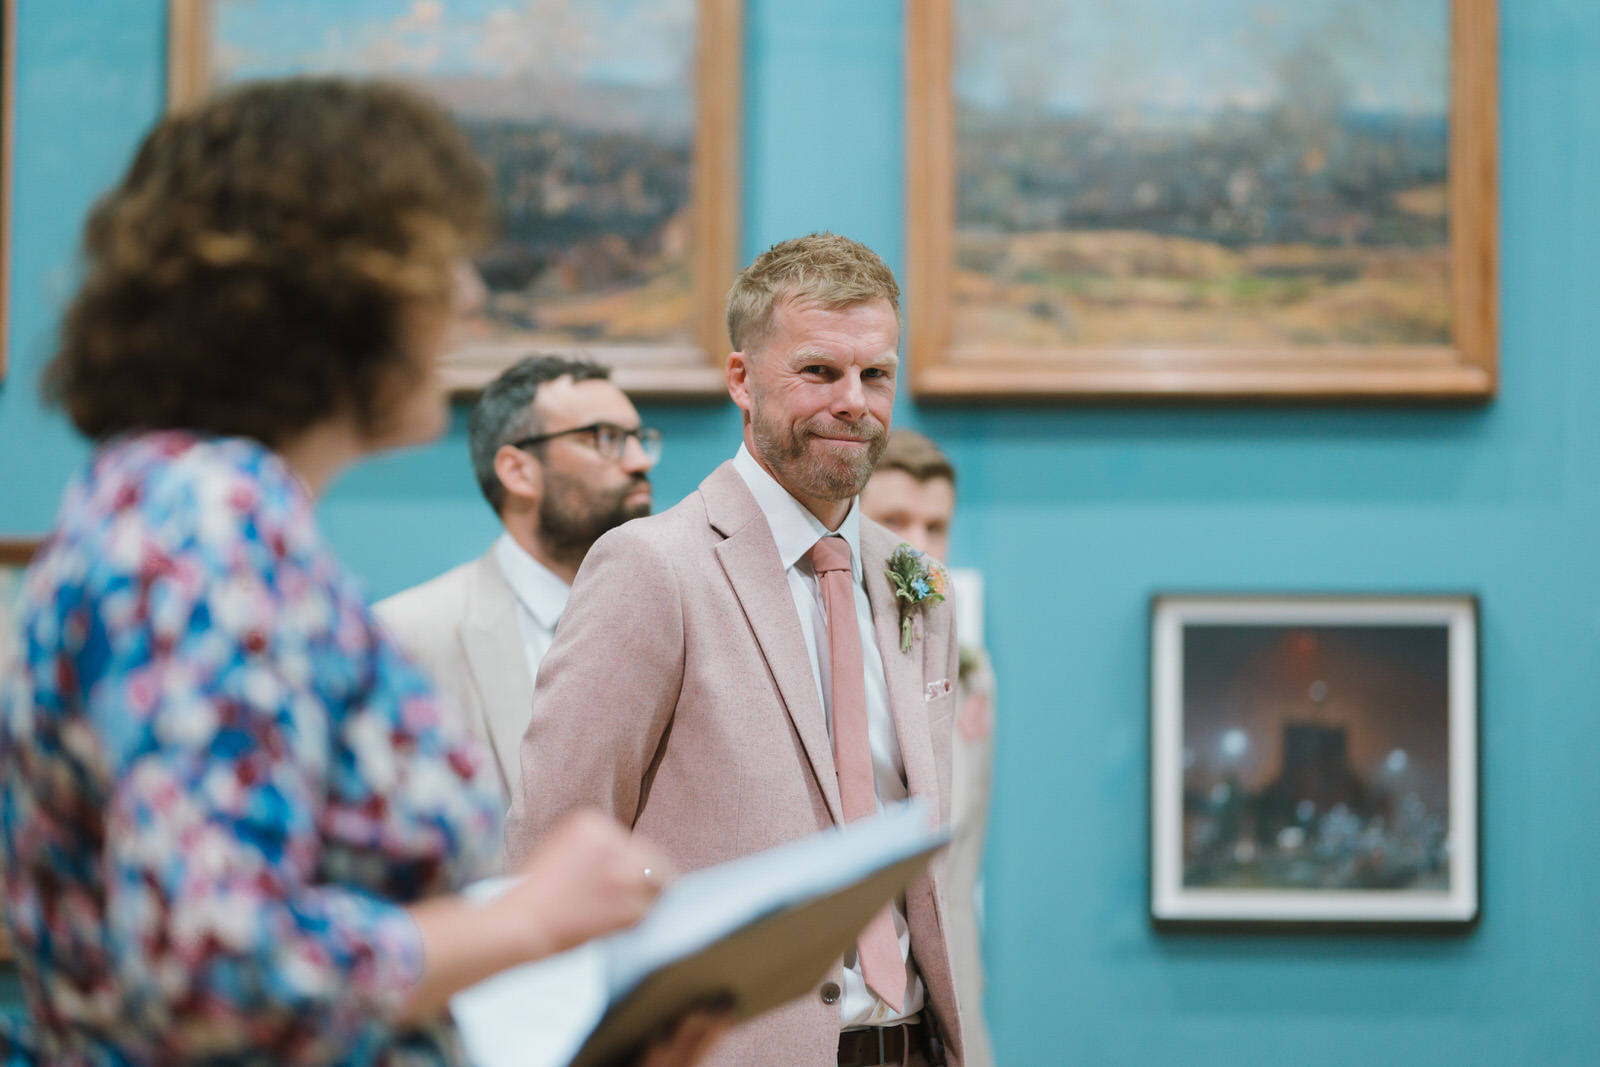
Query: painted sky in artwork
point(1067, 56)
point(635, 44)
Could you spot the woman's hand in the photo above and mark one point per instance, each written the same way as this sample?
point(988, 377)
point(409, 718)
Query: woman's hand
point(689, 1041)
point(588, 877)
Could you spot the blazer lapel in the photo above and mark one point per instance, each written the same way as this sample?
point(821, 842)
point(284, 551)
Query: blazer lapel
point(902, 670)
point(908, 703)
point(492, 646)
point(749, 558)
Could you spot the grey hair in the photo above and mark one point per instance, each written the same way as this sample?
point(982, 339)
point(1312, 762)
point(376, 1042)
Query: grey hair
point(505, 412)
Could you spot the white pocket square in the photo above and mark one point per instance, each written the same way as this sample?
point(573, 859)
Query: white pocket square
point(942, 688)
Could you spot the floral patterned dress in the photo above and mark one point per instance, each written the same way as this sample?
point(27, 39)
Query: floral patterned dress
point(220, 782)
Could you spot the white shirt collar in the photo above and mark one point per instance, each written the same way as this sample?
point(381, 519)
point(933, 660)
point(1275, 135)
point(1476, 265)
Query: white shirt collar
point(536, 587)
point(794, 528)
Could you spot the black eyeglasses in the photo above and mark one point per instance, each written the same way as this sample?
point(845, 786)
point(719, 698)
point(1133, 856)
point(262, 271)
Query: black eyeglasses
point(608, 439)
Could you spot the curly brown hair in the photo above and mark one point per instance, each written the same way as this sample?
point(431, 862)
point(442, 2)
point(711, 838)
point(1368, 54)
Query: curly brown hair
point(253, 272)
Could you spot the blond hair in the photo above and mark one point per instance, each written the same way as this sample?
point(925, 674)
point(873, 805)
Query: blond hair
point(820, 268)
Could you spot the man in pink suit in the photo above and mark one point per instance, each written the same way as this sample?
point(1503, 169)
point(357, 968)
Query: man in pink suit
point(690, 692)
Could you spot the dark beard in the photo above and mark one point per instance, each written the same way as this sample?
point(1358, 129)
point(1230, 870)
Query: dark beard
point(572, 531)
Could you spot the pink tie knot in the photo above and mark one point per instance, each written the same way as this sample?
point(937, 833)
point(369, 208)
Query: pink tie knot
point(830, 554)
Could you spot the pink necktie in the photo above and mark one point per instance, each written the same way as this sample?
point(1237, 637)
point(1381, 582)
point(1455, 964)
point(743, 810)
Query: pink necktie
point(878, 946)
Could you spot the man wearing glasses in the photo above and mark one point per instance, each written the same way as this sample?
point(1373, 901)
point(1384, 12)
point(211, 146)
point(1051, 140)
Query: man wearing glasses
point(561, 458)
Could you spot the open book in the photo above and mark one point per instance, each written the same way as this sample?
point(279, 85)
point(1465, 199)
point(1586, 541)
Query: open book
point(762, 930)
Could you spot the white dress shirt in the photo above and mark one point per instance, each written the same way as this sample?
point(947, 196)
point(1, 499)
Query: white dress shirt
point(541, 598)
point(796, 530)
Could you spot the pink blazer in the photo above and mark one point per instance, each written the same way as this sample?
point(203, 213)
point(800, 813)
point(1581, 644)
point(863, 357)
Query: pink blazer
point(678, 697)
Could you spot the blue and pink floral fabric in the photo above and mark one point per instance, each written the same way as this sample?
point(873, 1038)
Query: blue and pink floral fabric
point(219, 780)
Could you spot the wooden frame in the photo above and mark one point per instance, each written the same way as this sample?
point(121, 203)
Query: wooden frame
point(667, 371)
point(13, 554)
point(1314, 762)
point(1463, 370)
point(8, 96)
point(18, 552)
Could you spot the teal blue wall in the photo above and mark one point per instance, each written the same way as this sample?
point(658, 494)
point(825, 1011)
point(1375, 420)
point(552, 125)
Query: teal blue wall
point(1078, 516)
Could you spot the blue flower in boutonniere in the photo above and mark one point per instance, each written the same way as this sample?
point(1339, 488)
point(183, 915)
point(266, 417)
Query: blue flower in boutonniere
point(919, 583)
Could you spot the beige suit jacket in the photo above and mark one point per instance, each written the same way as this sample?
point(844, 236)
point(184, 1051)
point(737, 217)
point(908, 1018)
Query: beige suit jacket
point(462, 628)
point(972, 763)
point(678, 696)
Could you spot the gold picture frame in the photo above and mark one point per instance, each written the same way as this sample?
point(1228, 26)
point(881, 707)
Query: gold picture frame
point(688, 366)
point(1459, 367)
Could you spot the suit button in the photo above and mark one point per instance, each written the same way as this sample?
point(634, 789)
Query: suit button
point(830, 992)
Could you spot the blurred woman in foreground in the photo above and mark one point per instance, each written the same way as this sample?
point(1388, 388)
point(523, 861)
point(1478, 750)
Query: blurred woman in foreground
point(231, 811)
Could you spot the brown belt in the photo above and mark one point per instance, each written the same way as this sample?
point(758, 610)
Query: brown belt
point(878, 1045)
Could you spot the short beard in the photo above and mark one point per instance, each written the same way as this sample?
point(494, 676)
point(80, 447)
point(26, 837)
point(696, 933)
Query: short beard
point(570, 531)
point(784, 451)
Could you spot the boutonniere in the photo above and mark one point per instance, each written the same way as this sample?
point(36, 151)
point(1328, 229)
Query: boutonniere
point(919, 583)
point(968, 660)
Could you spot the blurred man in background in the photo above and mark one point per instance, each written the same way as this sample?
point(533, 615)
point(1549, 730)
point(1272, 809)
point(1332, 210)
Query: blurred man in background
point(913, 493)
point(561, 457)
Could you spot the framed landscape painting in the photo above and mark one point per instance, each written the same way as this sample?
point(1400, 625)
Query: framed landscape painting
point(1243, 199)
point(611, 128)
point(1314, 762)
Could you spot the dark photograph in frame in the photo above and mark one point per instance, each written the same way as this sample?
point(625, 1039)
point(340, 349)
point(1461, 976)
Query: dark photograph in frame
point(1314, 761)
point(611, 128)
